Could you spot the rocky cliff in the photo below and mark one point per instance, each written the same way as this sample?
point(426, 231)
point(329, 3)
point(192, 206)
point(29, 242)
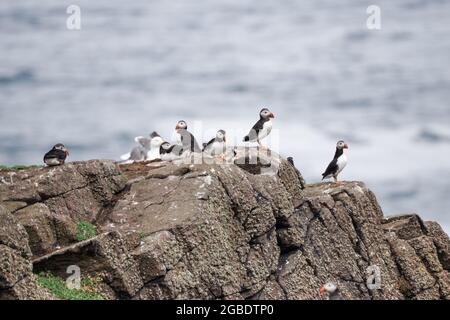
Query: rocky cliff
point(208, 231)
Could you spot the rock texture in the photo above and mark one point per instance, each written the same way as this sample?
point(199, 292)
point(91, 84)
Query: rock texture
point(16, 278)
point(49, 201)
point(210, 231)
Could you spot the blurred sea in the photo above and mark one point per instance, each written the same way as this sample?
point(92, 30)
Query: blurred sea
point(138, 66)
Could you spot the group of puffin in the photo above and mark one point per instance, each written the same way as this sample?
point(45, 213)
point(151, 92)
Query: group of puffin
point(155, 147)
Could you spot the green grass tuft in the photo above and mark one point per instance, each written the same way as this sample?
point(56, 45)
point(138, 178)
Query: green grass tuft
point(58, 288)
point(86, 230)
point(18, 167)
point(141, 235)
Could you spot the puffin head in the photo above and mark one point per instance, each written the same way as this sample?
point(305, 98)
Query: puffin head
point(164, 148)
point(266, 113)
point(165, 145)
point(328, 287)
point(220, 135)
point(60, 146)
point(341, 145)
point(181, 125)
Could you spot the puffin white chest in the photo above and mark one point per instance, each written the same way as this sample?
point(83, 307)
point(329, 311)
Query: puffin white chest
point(218, 147)
point(52, 162)
point(267, 127)
point(341, 162)
point(177, 138)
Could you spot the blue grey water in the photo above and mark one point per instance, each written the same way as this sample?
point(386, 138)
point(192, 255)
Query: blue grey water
point(138, 66)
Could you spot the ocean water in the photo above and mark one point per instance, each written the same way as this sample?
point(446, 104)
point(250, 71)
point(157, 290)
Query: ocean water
point(138, 66)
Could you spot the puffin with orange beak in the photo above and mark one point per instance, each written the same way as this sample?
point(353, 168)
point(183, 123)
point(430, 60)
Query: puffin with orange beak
point(262, 128)
point(332, 290)
point(170, 152)
point(216, 146)
point(338, 163)
point(57, 155)
point(188, 141)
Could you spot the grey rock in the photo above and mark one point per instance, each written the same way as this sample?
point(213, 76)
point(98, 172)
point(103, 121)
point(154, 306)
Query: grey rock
point(237, 230)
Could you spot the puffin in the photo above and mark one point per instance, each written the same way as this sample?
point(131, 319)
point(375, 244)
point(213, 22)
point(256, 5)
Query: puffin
point(338, 163)
point(332, 290)
point(187, 139)
point(56, 156)
point(262, 128)
point(216, 146)
point(155, 143)
point(169, 151)
point(291, 161)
